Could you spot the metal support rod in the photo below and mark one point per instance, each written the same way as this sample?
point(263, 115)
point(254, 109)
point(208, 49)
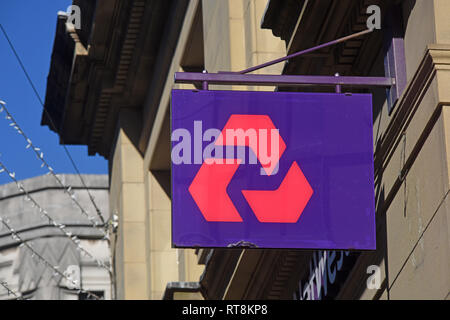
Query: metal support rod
point(299, 53)
point(281, 80)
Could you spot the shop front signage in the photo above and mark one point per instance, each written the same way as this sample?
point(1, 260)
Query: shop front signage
point(272, 170)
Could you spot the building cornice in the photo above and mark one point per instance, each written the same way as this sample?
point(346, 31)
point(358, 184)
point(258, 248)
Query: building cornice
point(47, 182)
point(89, 83)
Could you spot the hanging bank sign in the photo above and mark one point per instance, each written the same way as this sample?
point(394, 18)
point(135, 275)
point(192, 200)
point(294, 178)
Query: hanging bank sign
point(272, 170)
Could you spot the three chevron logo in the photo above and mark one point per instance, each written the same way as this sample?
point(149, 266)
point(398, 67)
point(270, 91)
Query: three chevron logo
point(270, 170)
point(209, 186)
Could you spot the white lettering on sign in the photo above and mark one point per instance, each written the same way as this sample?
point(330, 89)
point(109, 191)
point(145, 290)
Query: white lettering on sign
point(265, 142)
point(323, 269)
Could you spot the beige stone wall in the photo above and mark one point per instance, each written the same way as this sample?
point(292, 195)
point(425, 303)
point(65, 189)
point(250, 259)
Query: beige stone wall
point(164, 263)
point(127, 201)
point(144, 259)
point(234, 40)
point(261, 45)
point(162, 258)
point(228, 45)
point(417, 211)
point(216, 32)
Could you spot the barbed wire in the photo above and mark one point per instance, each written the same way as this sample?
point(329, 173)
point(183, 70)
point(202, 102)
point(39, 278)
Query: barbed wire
point(40, 156)
point(51, 221)
point(16, 237)
point(9, 291)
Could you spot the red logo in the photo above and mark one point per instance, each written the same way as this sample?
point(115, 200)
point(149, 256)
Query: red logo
point(209, 187)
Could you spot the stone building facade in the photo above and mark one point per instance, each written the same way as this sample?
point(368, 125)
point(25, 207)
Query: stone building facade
point(23, 272)
point(113, 78)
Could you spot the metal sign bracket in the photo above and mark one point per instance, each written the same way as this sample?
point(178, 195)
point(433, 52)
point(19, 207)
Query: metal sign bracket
point(394, 82)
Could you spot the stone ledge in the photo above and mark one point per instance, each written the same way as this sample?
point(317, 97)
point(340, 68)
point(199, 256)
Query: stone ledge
point(40, 183)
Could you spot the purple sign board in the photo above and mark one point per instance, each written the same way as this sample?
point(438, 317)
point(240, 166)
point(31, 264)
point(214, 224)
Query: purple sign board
point(272, 170)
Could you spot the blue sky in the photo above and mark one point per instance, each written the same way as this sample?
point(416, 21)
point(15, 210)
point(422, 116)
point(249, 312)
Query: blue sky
point(31, 26)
